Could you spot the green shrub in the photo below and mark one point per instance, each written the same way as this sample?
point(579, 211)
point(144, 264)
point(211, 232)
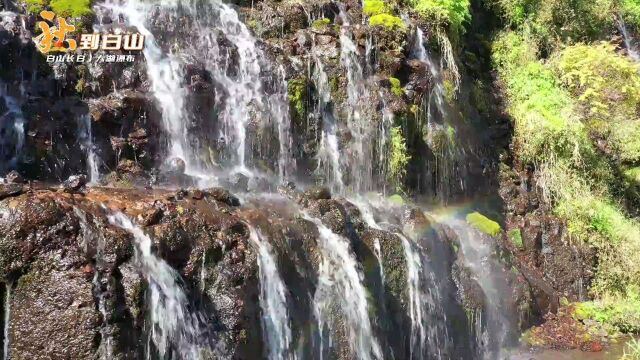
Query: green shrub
point(602, 80)
point(556, 22)
point(510, 51)
point(633, 175)
point(484, 224)
point(375, 7)
point(71, 8)
point(621, 312)
point(630, 11)
point(446, 13)
point(625, 140)
point(390, 22)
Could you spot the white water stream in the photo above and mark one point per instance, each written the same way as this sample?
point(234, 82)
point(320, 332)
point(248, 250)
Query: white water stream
point(243, 92)
point(629, 42)
point(85, 138)
point(12, 123)
point(273, 301)
point(7, 317)
point(340, 279)
point(174, 328)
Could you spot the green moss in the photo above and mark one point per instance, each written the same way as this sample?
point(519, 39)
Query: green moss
point(398, 158)
point(375, 7)
point(252, 24)
point(321, 23)
point(516, 237)
point(71, 8)
point(297, 93)
point(483, 224)
point(390, 22)
point(396, 199)
point(448, 13)
point(396, 87)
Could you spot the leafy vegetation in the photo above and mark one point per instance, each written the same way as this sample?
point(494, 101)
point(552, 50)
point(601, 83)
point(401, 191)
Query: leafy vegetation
point(297, 93)
point(390, 22)
point(398, 158)
point(575, 120)
point(483, 224)
point(444, 13)
point(604, 82)
point(71, 8)
point(556, 22)
point(630, 11)
point(375, 7)
point(64, 8)
point(621, 312)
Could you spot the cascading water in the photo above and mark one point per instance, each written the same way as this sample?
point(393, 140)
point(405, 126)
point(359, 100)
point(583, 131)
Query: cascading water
point(429, 337)
point(629, 42)
point(493, 329)
point(440, 134)
point(7, 317)
point(329, 166)
point(359, 150)
point(12, 127)
point(85, 139)
point(242, 92)
point(340, 279)
point(273, 301)
point(175, 330)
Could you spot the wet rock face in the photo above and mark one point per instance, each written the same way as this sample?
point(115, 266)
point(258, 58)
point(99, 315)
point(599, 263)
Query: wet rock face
point(53, 315)
point(66, 261)
point(554, 266)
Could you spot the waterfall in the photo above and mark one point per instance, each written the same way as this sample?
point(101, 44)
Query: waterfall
point(174, 328)
point(477, 254)
point(340, 278)
point(12, 127)
point(629, 42)
point(438, 91)
point(429, 335)
point(359, 150)
point(383, 143)
point(7, 317)
point(273, 300)
point(165, 73)
point(240, 91)
point(329, 166)
point(280, 106)
point(85, 139)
